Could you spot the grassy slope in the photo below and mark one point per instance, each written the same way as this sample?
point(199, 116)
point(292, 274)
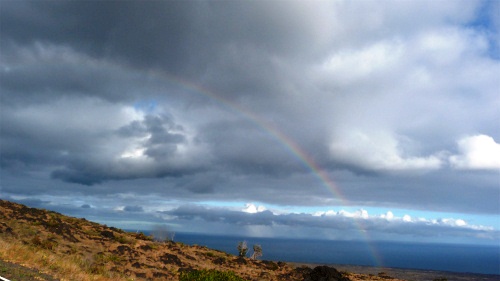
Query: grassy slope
point(76, 249)
point(16, 272)
point(68, 248)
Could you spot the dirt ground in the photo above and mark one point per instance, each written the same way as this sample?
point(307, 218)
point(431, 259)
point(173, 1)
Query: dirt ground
point(15, 272)
point(411, 274)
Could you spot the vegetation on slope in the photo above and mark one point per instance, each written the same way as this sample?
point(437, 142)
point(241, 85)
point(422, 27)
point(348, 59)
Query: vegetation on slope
point(44, 245)
point(76, 249)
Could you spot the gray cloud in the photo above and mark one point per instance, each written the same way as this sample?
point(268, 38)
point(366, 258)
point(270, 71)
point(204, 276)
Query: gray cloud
point(340, 222)
point(252, 101)
point(133, 209)
point(103, 29)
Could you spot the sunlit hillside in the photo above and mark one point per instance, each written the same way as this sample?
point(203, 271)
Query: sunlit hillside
point(69, 248)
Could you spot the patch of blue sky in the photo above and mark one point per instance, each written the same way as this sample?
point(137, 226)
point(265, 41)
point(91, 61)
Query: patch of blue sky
point(225, 204)
point(146, 106)
point(471, 219)
point(487, 22)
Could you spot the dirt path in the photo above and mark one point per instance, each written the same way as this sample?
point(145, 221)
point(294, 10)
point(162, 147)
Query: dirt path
point(15, 272)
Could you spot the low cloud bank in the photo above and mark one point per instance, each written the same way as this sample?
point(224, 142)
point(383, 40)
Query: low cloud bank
point(340, 222)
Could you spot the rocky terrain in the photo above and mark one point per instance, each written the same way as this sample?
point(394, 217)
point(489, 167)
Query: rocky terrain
point(44, 245)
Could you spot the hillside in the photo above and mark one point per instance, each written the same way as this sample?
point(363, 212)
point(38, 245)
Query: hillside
point(65, 248)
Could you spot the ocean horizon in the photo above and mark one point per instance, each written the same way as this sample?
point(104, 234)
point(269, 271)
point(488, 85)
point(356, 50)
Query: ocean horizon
point(481, 259)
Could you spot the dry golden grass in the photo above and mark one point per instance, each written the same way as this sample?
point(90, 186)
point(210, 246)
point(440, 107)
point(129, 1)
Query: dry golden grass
point(76, 249)
point(70, 267)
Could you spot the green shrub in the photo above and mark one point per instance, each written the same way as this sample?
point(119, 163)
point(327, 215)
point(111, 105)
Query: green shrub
point(124, 239)
point(142, 236)
point(209, 275)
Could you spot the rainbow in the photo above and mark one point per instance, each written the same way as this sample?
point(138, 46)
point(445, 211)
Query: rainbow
point(288, 143)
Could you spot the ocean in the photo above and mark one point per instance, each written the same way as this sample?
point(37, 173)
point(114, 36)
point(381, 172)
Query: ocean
point(440, 257)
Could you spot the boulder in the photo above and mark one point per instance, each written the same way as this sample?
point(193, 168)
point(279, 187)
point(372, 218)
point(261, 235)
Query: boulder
point(324, 273)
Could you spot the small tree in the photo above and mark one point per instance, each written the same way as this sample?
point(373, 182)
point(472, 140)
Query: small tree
point(257, 251)
point(242, 249)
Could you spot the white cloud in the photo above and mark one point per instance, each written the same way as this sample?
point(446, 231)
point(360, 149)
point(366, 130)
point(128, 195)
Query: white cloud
point(378, 151)
point(448, 45)
point(252, 209)
point(350, 65)
point(363, 214)
point(455, 222)
point(343, 223)
point(477, 152)
point(392, 219)
point(388, 216)
point(133, 153)
point(360, 214)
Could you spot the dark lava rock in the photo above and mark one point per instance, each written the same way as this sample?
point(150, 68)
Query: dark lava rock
point(186, 269)
point(270, 265)
point(116, 229)
point(324, 273)
point(108, 234)
point(161, 275)
point(57, 226)
point(171, 259)
point(219, 261)
point(123, 250)
point(240, 260)
point(5, 228)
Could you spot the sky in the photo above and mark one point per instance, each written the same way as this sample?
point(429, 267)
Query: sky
point(345, 120)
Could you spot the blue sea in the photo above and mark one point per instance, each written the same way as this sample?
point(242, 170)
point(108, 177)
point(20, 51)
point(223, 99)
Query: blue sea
point(441, 257)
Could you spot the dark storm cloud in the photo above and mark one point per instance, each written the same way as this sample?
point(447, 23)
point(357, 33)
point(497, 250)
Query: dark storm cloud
point(250, 101)
point(227, 44)
point(81, 144)
point(162, 142)
point(33, 203)
point(133, 209)
point(146, 34)
point(248, 148)
point(43, 73)
point(58, 60)
point(51, 77)
point(171, 35)
point(221, 215)
point(442, 191)
point(202, 183)
point(97, 172)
